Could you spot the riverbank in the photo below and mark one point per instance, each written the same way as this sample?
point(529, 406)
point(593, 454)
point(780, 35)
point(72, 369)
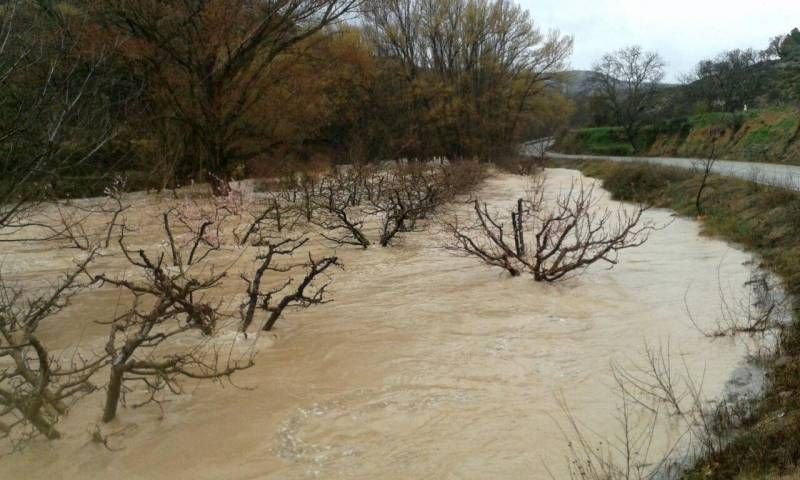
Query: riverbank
point(762, 220)
point(770, 135)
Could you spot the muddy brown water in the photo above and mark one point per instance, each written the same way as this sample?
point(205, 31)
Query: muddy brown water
point(425, 365)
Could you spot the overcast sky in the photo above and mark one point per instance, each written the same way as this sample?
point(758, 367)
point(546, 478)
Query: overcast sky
point(682, 31)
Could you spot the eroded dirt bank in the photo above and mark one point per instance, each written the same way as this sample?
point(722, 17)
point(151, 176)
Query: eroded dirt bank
point(425, 365)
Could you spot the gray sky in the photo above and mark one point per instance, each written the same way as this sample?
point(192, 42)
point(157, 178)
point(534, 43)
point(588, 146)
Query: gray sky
point(682, 31)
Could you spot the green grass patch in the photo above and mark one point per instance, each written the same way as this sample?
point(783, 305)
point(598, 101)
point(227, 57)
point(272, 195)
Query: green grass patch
point(721, 119)
point(762, 135)
point(788, 124)
point(768, 135)
point(596, 141)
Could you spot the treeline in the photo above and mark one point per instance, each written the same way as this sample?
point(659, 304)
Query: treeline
point(754, 78)
point(626, 87)
point(179, 90)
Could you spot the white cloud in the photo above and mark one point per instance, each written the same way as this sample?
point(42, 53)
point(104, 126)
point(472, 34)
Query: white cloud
point(682, 31)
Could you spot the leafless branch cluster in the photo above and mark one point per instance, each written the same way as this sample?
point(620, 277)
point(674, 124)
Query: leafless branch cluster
point(169, 301)
point(411, 195)
point(629, 456)
point(274, 214)
point(340, 217)
point(274, 301)
point(36, 386)
point(550, 238)
point(324, 199)
point(88, 225)
point(396, 197)
point(707, 422)
point(82, 225)
point(700, 426)
point(764, 309)
point(655, 380)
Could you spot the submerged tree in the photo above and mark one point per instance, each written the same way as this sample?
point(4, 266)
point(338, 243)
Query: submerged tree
point(550, 238)
point(37, 386)
point(342, 226)
point(275, 301)
point(169, 304)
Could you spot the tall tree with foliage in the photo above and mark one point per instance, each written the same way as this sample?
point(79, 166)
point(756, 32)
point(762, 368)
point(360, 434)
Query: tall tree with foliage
point(789, 47)
point(728, 82)
point(470, 71)
point(627, 81)
point(204, 58)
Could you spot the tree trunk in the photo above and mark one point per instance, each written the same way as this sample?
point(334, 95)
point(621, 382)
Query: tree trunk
point(520, 227)
point(34, 415)
point(113, 393)
point(253, 293)
point(220, 186)
point(216, 160)
point(515, 224)
point(273, 318)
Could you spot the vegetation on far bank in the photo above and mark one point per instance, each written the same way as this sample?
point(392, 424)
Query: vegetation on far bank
point(763, 220)
point(769, 135)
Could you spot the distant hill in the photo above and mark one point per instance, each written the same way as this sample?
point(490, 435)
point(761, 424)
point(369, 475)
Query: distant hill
point(579, 87)
point(578, 83)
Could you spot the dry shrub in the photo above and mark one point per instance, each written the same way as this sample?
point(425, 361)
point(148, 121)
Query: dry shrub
point(550, 239)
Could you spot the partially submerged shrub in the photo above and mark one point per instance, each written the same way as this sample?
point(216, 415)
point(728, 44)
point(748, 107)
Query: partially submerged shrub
point(550, 240)
point(169, 308)
point(274, 301)
point(36, 386)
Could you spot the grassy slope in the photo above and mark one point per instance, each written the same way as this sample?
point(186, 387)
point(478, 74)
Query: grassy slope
point(765, 221)
point(595, 141)
point(771, 135)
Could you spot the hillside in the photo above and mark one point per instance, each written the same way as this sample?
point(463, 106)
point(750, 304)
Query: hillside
point(580, 87)
point(770, 135)
point(733, 81)
point(577, 83)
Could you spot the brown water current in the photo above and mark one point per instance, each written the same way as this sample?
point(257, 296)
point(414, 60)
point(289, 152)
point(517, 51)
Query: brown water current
point(425, 365)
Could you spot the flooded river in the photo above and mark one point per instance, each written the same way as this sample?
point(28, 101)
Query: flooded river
point(425, 365)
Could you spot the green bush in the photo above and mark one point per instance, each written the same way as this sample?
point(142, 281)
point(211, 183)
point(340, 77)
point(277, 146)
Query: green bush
point(640, 181)
point(596, 141)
